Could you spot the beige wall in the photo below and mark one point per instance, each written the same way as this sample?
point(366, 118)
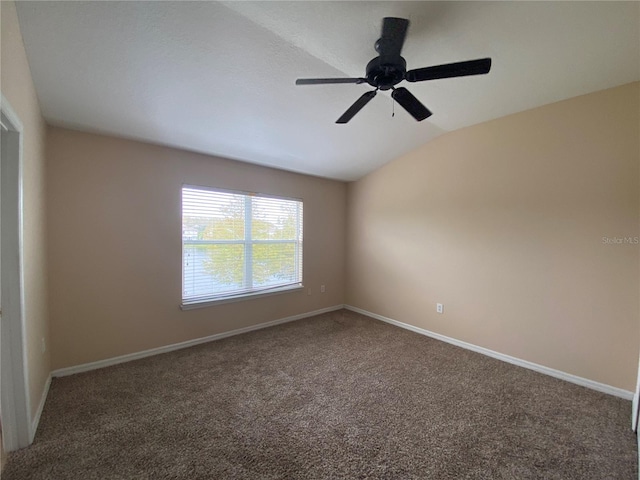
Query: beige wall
point(17, 87)
point(115, 245)
point(502, 222)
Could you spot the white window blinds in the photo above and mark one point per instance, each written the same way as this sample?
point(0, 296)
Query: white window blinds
point(235, 244)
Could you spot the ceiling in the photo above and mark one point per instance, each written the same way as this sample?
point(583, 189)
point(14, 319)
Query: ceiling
point(218, 77)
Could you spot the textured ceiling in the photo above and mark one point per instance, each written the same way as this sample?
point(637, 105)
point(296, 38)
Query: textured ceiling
point(218, 78)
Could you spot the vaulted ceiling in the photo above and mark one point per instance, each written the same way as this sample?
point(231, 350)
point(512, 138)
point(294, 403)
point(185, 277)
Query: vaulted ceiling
point(218, 77)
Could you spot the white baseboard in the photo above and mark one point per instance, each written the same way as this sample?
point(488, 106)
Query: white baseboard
point(85, 367)
point(33, 428)
point(585, 382)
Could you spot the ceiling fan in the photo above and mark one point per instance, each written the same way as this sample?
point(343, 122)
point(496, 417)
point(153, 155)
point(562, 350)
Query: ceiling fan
point(388, 69)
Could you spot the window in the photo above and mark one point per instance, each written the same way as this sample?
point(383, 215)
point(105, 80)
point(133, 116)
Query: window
point(237, 244)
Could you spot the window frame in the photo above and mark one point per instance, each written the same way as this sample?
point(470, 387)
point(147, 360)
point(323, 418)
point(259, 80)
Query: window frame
point(247, 242)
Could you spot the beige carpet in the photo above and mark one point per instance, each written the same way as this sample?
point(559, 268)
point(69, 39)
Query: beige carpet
point(335, 396)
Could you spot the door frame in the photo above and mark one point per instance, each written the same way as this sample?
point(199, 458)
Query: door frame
point(14, 397)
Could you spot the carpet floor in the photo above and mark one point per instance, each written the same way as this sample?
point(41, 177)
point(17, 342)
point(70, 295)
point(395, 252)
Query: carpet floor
point(339, 395)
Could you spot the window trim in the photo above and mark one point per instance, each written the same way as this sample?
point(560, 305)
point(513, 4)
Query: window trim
point(211, 300)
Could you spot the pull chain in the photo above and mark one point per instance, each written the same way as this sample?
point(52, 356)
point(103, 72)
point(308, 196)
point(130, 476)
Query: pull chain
point(393, 107)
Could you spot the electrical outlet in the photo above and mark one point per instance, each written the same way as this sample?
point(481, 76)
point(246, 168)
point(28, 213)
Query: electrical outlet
point(439, 308)
point(44, 345)
point(321, 288)
point(308, 291)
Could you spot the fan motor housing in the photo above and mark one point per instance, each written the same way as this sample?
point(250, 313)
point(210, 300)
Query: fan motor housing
point(385, 73)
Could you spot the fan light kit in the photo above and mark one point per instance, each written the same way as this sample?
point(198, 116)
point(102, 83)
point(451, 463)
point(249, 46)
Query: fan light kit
point(388, 69)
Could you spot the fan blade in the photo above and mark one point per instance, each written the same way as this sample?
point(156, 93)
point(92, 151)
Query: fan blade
point(410, 103)
point(321, 81)
point(460, 69)
point(394, 31)
point(356, 107)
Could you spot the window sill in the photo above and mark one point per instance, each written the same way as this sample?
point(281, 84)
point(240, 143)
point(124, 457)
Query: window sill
point(239, 298)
